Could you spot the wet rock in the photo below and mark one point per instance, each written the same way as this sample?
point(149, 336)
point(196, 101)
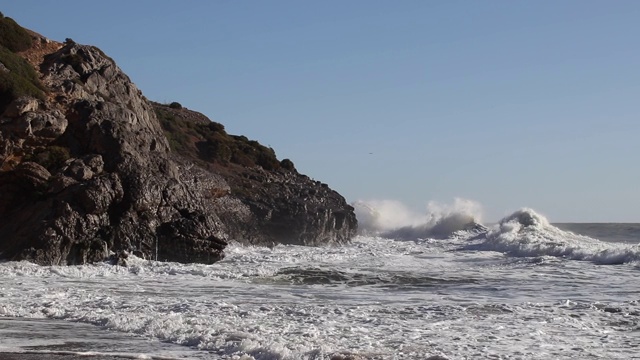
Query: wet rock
point(347, 357)
point(612, 310)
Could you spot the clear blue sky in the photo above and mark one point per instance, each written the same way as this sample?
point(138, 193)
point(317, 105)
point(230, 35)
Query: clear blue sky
point(508, 103)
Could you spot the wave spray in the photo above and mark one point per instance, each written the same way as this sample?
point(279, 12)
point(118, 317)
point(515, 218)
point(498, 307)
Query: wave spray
point(392, 219)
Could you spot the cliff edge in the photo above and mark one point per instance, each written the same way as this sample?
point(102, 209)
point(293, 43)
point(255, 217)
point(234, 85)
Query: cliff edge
point(90, 169)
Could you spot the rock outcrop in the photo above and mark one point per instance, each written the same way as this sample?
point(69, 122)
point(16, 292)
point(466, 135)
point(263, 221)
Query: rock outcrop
point(87, 173)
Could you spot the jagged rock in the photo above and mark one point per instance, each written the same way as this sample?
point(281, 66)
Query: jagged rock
point(108, 184)
point(32, 175)
point(45, 125)
point(263, 207)
point(59, 183)
point(286, 207)
point(25, 129)
point(82, 169)
point(20, 106)
point(26, 183)
point(185, 240)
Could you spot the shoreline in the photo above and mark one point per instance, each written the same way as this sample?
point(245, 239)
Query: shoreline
point(55, 339)
point(54, 356)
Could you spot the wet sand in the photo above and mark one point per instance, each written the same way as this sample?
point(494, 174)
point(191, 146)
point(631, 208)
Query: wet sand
point(28, 356)
point(35, 339)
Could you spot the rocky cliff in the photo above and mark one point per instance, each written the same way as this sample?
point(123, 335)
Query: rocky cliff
point(90, 169)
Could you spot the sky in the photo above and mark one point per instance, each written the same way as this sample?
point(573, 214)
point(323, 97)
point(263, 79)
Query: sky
point(506, 103)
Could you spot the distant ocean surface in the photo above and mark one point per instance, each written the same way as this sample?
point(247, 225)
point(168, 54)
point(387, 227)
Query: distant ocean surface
point(521, 289)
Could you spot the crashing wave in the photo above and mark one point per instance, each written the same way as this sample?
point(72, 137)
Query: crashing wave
point(391, 219)
point(526, 233)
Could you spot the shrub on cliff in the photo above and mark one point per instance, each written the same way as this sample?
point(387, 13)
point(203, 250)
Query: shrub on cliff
point(287, 164)
point(178, 139)
point(216, 127)
point(51, 157)
point(19, 79)
point(13, 36)
point(209, 142)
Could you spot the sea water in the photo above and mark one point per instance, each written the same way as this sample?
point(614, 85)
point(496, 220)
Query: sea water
point(520, 289)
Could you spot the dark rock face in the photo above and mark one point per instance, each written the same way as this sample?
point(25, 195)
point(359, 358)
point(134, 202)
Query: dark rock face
point(89, 174)
point(286, 207)
point(267, 204)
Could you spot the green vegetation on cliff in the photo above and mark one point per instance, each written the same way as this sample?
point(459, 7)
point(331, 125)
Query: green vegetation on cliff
point(51, 157)
point(13, 36)
point(196, 137)
point(17, 76)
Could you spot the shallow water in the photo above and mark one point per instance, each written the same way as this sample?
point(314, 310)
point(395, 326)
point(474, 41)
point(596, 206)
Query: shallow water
point(512, 292)
point(47, 338)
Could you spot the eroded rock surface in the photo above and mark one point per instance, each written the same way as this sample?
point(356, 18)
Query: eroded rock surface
point(88, 173)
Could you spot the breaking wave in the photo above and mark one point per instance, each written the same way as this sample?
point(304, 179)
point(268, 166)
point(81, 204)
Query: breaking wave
point(391, 219)
point(526, 233)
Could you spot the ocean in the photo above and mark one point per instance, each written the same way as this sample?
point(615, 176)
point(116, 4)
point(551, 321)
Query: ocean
point(520, 289)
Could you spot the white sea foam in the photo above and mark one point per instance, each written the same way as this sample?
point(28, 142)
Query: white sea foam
point(527, 233)
point(375, 297)
point(46, 337)
point(393, 220)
